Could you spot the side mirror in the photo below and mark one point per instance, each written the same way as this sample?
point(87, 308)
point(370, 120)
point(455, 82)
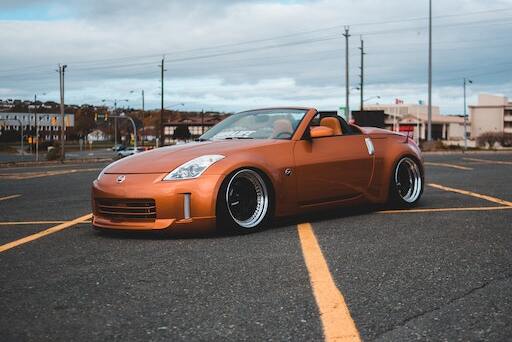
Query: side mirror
point(321, 132)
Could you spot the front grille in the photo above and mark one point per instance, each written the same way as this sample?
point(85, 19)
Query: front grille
point(126, 209)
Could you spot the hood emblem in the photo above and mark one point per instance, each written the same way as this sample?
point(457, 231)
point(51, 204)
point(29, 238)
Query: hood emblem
point(120, 179)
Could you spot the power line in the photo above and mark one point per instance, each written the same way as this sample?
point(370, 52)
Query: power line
point(397, 21)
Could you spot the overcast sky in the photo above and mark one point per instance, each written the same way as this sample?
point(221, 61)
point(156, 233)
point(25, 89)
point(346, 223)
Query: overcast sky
point(234, 55)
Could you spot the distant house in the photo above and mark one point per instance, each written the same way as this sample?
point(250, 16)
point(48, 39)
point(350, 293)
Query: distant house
point(97, 135)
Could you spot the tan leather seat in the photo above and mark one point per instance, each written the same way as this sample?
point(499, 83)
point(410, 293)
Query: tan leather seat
point(333, 124)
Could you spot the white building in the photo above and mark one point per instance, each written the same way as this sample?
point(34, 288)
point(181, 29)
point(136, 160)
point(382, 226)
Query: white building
point(48, 124)
point(493, 113)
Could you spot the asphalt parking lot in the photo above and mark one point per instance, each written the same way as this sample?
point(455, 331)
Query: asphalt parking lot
point(440, 272)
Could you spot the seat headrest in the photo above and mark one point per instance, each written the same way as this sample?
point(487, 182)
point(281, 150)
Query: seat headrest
point(333, 124)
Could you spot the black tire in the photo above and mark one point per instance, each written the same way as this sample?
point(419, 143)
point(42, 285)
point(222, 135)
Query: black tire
point(244, 202)
point(407, 183)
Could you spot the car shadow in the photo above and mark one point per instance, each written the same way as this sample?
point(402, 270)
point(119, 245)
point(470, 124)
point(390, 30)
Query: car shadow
point(283, 223)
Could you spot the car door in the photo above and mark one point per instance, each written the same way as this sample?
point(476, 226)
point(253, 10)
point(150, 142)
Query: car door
point(332, 168)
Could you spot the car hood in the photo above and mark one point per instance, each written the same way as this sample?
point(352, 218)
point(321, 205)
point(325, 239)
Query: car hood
point(166, 159)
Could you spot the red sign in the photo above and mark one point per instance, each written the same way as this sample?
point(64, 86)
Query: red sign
point(406, 128)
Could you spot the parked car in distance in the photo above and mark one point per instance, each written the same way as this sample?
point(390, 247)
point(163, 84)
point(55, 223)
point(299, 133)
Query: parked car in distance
point(128, 151)
point(118, 147)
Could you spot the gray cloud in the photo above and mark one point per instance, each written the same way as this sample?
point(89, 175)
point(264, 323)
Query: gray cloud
point(113, 46)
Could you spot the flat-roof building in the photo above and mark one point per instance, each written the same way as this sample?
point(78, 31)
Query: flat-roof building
point(493, 113)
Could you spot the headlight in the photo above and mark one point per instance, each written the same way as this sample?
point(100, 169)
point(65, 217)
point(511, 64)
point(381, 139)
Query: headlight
point(193, 168)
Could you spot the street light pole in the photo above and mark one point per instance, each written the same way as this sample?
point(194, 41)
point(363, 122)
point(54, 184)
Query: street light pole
point(429, 128)
point(362, 75)
point(124, 116)
point(348, 116)
point(62, 70)
point(115, 101)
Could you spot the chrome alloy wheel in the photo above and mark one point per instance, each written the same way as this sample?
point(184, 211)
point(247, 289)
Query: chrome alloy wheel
point(408, 180)
point(247, 198)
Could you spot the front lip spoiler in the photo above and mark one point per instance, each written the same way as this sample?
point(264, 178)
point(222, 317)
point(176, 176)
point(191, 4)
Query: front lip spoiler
point(158, 224)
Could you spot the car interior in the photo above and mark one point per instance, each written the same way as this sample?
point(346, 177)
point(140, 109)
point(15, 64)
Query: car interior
point(334, 122)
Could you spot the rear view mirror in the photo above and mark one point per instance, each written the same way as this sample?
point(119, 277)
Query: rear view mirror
point(321, 132)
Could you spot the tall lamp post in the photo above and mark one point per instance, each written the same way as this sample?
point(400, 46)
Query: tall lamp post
point(466, 81)
point(115, 102)
point(429, 124)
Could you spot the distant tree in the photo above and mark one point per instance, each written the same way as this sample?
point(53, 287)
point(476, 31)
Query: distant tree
point(84, 121)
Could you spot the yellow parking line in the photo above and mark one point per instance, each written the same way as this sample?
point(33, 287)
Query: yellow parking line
point(436, 210)
point(334, 313)
point(22, 223)
point(9, 197)
point(48, 231)
point(487, 161)
point(473, 194)
point(453, 166)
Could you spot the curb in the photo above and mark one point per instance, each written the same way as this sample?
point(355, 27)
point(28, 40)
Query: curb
point(56, 162)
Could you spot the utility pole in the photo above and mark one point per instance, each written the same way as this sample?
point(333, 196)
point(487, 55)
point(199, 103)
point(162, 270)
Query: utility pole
point(36, 130)
point(466, 81)
point(362, 75)
point(347, 79)
point(161, 125)
point(62, 70)
point(429, 128)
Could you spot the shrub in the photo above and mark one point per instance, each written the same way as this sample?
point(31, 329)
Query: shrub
point(428, 146)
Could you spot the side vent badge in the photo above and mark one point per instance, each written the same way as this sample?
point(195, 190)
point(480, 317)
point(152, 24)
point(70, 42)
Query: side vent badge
point(369, 146)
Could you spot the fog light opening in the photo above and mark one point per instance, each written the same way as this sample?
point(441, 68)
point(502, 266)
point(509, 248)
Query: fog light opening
point(186, 206)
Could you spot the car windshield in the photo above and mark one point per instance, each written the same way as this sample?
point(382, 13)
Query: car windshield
point(257, 124)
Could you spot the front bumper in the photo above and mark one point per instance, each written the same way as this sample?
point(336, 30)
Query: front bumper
point(186, 204)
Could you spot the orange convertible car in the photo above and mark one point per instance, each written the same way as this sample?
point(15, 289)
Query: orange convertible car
point(257, 165)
